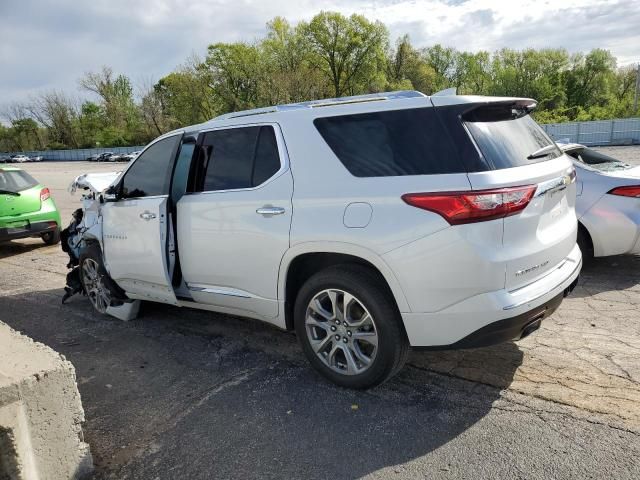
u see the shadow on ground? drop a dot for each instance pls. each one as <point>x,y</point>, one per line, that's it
<point>17,247</point>
<point>198,395</point>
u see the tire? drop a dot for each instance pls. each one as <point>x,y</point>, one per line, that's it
<point>51,238</point>
<point>585,243</point>
<point>100,289</point>
<point>366,294</point>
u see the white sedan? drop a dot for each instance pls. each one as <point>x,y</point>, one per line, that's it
<point>608,203</point>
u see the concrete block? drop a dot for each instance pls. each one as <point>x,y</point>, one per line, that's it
<point>40,413</point>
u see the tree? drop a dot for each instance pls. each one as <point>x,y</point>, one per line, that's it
<point>589,78</point>
<point>235,73</point>
<point>407,70</point>
<point>350,52</point>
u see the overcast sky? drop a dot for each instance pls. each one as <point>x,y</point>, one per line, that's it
<point>49,44</point>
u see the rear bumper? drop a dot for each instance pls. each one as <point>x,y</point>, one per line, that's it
<point>30,229</point>
<point>494,317</point>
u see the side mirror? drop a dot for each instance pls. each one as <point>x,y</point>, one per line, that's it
<point>112,194</point>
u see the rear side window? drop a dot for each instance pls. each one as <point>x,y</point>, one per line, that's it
<point>150,173</point>
<point>240,157</point>
<point>16,180</point>
<point>510,142</point>
<point>391,143</point>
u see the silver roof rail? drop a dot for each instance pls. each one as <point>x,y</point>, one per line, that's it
<point>327,102</point>
<point>447,92</point>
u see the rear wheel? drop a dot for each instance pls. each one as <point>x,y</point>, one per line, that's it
<point>585,243</point>
<point>349,327</point>
<point>52,237</point>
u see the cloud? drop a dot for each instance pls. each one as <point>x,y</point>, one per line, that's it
<point>49,45</point>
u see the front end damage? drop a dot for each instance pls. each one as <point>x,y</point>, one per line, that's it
<point>84,230</point>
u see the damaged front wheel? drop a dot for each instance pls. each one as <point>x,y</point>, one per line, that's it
<point>96,282</point>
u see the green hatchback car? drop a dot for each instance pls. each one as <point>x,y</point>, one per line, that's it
<point>26,208</point>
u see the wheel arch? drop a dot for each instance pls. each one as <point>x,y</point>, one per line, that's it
<point>301,261</point>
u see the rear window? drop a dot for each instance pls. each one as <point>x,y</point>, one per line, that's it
<point>16,180</point>
<point>391,143</point>
<point>597,160</point>
<point>512,142</point>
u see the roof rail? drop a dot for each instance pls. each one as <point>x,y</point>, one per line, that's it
<point>327,102</point>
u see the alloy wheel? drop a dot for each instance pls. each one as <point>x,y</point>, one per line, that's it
<point>341,332</point>
<point>94,286</point>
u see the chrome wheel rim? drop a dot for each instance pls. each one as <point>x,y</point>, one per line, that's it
<point>93,283</point>
<point>341,332</point>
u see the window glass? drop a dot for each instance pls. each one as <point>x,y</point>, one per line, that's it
<point>267,161</point>
<point>598,160</point>
<point>181,171</point>
<point>240,157</point>
<point>391,143</point>
<point>508,143</point>
<point>150,173</point>
<point>16,180</point>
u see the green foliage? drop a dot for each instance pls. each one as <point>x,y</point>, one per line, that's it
<point>332,55</point>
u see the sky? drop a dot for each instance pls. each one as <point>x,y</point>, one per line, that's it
<point>50,44</point>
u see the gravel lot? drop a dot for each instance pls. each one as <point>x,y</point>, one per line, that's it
<point>190,394</point>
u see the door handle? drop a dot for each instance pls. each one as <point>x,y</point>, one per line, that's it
<point>269,211</point>
<point>147,215</point>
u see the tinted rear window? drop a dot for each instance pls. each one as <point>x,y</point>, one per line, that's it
<point>507,143</point>
<point>391,143</point>
<point>16,180</point>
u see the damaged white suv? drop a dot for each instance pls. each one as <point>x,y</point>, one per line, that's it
<point>368,224</point>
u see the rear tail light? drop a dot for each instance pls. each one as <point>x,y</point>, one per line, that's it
<point>628,191</point>
<point>475,206</point>
<point>45,194</point>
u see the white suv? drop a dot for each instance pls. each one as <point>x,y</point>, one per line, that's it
<point>368,224</point>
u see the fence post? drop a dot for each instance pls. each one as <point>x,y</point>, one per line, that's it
<point>613,122</point>
<point>577,132</point>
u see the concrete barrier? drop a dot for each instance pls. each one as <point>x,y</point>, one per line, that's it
<point>40,413</point>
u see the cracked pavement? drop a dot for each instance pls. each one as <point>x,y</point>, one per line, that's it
<point>191,394</point>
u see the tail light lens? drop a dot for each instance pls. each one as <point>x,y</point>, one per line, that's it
<point>45,194</point>
<point>475,206</point>
<point>628,191</point>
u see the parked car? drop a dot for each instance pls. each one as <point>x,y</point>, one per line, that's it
<point>608,203</point>
<point>5,159</point>
<point>130,156</point>
<point>37,158</point>
<point>26,208</point>
<point>389,221</point>
<point>19,159</point>
<point>93,158</point>
<point>103,157</point>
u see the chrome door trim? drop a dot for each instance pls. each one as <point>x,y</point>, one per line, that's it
<point>230,292</point>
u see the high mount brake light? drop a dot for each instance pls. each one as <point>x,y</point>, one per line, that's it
<point>45,194</point>
<point>628,191</point>
<point>474,206</point>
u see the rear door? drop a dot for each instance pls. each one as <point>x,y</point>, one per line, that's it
<point>136,226</point>
<point>518,153</point>
<point>234,231</point>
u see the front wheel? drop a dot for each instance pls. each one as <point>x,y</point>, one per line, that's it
<point>349,327</point>
<point>96,282</point>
